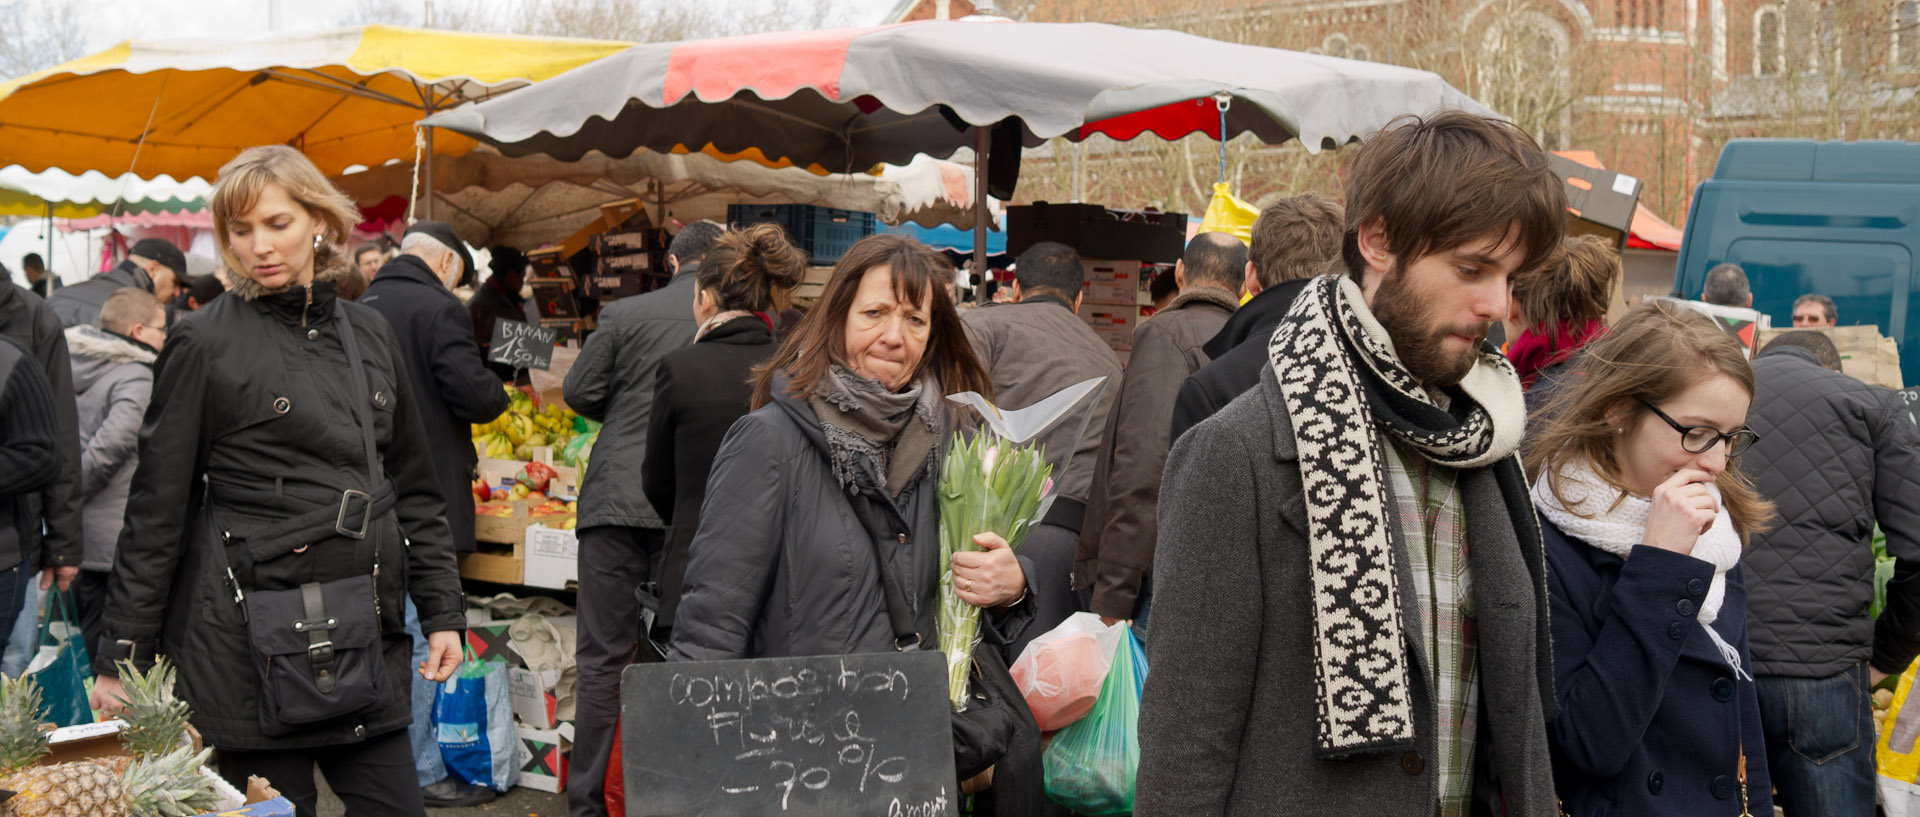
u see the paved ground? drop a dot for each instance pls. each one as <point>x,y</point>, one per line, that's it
<point>518,801</point>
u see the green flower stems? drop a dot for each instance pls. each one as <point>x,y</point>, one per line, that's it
<point>986,485</point>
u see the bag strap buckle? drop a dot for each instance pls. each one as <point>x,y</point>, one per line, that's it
<point>366,514</point>
<point>909,643</point>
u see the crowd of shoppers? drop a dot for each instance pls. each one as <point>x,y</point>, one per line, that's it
<point>1380,565</point>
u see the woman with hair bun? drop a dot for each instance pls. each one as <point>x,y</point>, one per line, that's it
<point>700,390</point>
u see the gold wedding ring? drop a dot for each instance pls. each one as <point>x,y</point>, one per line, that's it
<point>968,586</point>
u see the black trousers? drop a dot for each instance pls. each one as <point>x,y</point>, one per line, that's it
<point>374,778</point>
<point>90,596</point>
<point>613,561</point>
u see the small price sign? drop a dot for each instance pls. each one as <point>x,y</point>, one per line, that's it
<point>522,346</point>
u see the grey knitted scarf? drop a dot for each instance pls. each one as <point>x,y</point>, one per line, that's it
<point>867,423</point>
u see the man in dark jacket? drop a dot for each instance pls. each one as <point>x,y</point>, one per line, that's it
<point>1031,349</point>
<point>453,388</point>
<point>37,278</point>
<point>1836,456</point>
<point>153,264</point>
<point>29,463</point>
<point>1116,551</point>
<point>1317,536</point>
<point>1294,240</point>
<point>621,536</point>
<point>30,322</point>
<point>498,298</point>
<point>113,380</point>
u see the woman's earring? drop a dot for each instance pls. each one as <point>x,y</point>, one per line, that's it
<point>316,242</point>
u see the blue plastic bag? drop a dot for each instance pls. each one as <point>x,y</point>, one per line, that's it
<point>473,719</point>
<point>62,666</point>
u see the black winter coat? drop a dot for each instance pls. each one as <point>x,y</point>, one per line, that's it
<point>612,382</point>
<point>254,393</point>
<point>29,444</point>
<point>79,305</point>
<point>697,395</point>
<point>1239,356</point>
<point>28,320</point>
<point>1835,455</point>
<point>1652,720</point>
<point>451,383</point>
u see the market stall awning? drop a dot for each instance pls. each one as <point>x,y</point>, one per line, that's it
<point>25,193</point>
<point>949,239</point>
<point>344,97</point>
<point>850,98</point>
<point>1648,231</point>
<point>529,201</point>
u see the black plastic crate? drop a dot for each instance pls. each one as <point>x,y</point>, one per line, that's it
<point>1099,232</point>
<point>823,233</point>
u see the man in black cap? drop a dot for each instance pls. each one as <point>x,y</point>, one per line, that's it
<point>153,264</point>
<point>454,388</point>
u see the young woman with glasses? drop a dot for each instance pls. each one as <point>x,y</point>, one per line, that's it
<point>1644,522</point>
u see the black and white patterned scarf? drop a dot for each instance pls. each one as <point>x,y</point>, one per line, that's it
<point>1343,385</point>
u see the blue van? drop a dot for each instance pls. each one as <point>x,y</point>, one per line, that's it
<point>1838,218</point>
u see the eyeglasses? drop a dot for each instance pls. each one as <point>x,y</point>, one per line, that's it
<point>1701,439</point>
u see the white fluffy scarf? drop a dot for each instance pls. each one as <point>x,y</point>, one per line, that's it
<point>1596,519</point>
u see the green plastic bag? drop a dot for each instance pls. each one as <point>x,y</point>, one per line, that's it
<point>1090,765</point>
<point>62,667</point>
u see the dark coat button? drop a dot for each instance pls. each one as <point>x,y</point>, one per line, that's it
<point>1677,630</point>
<point>1722,787</point>
<point>360,731</point>
<point>282,405</point>
<point>1656,782</point>
<point>380,399</point>
<point>1696,588</point>
<point>313,334</point>
<point>903,538</point>
<point>1412,763</point>
<point>1683,607</point>
<point>1723,689</point>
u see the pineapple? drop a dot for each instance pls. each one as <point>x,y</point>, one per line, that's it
<point>161,778</point>
<point>156,720</point>
<point>67,788</point>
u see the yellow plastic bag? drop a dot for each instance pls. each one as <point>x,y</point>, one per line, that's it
<point>1227,214</point>
<point>1898,756</point>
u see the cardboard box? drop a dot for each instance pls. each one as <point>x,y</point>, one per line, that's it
<point>533,705</point>
<point>625,242</point>
<point>614,286</point>
<point>493,641</point>
<point>549,265</point>
<point>1864,353</point>
<point>621,264</point>
<point>1111,282</point>
<point>552,557</point>
<point>543,757</point>
<point>1114,323</point>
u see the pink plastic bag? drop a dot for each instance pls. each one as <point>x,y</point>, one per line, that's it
<point>1060,673</point>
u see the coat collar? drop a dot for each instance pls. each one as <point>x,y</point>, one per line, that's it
<point>412,270</point>
<point>742,331</point>
<point>1202,294</point>
<point>1256,318</point>
<point>294,305</point>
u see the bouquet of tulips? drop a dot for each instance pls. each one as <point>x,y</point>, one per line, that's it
<point>987,484</point>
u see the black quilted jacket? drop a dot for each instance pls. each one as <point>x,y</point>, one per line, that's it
<point>1836,455</point>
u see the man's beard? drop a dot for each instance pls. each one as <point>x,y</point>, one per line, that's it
<point>1418,335</point>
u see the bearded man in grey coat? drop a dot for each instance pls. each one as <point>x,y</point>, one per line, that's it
<point>1350,614</point>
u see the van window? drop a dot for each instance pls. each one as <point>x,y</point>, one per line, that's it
<point>1861,278</point>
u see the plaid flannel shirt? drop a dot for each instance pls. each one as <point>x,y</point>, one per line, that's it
<point>1433,524</point>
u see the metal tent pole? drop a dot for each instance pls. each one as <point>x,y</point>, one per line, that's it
<point>980,216</point>
<point>53,281</point>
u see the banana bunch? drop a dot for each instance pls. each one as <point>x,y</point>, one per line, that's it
<point>524,426</point>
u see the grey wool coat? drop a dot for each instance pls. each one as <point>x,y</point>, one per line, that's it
<point>1228,720</point>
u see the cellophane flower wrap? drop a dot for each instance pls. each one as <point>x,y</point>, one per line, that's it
<point>987,484</point>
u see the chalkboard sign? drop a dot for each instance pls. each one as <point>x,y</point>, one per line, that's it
<point>522,346</point>
<point>850,735</point>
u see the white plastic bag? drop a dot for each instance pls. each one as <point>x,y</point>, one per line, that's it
<point>1060,673</point>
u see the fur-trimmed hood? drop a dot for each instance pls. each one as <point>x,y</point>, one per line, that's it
<point>330,267</point>
<point>99,344</point>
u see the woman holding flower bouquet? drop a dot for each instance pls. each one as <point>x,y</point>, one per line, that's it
<point>833,478</point>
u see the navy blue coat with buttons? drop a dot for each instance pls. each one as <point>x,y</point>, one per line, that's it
<point>1652,719</point>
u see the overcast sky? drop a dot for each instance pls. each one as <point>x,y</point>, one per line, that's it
<point>110,21</point>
